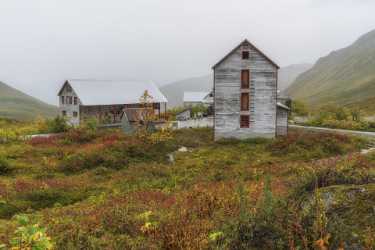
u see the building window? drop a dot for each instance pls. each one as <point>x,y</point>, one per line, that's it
<point>245,55</point>
<point>68,88</point>
<point>69,100</point>
<point>75,114</point>
<point>75,100</point>
<point>245,121</point>
<point>62,99</point>
<point>245,102</point>
<point>245,79</point>
<point>63,113</point>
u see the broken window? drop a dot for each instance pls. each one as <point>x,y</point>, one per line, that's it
<point>245,55</point>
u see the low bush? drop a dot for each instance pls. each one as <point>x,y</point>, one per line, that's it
<point>116,155</point>
<point>80,135</point>
<point>29,235</point>
<point>44,141</point>
<point>43,198</point>
<point>57,125</point>
<point>4,165</point>
<point>350,170</point>
<point>304,146</point>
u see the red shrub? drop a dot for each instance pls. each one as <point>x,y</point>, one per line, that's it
<point>44,141</point>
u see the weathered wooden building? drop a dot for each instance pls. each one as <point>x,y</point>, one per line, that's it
<point>107,100</point>
<point>245,95</point>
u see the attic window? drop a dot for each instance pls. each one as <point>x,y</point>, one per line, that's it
<point>245,55</point>
<point>68,88</point>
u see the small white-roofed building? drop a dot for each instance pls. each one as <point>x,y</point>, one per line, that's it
<point>197,98</point>
<point>106,100</point>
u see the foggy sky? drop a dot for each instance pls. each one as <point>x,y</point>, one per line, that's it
<point>43,42</point>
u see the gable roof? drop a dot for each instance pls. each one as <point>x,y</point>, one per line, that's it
<point>195,96</point>
<point>246,42</point>
<point>107,92</point>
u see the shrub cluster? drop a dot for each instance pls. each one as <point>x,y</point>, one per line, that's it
<point>340,118</point>
<point>4,165</point>
<point>313,145</point>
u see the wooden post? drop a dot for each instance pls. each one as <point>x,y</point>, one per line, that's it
<point>159,110</point>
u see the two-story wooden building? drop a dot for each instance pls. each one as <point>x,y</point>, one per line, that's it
<point>107,100</point>
<point>245,95</point>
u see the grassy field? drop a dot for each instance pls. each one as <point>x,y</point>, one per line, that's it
<point>104,190</point>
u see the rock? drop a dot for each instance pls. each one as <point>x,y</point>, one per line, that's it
<point>183,149</point>
<point>171,158</point>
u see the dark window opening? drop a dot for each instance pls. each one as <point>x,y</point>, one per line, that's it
<point>68,88</point>
<point>245,121</point>
<point>62,99</point>
<point>75,114</point>
<point>245,101</point>
<point>63,113</point>
<point>245,55</point>
<point>75,100</point>
<point>245,79</point>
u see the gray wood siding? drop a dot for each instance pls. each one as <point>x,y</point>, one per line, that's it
<point>282,122</point>
<point>70,108</point>
<point>263,91</point>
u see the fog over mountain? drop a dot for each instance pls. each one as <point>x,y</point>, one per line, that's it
<point>288,74</point>
<point>44,42</point>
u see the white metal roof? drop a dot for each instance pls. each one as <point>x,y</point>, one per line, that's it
<point>107,92</point>
<point>195,96</point>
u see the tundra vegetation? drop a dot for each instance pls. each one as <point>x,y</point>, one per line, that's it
<point>101,189</point>
<point>332,116</point>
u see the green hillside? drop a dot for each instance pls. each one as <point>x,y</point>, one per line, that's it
<point>16,105</point>
<point>344,77</point>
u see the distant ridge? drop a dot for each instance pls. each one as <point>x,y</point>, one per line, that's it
<point>344,77</point>
<point>288,74</point>
<point>175,91</point>
<point>14,104</point>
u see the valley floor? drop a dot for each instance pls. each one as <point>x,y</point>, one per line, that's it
<point>104,190</point>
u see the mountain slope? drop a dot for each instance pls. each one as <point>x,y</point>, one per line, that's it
<point>16,105</point>
<point>175,91</point>
<point>288,74</point>
<point>344,77</point>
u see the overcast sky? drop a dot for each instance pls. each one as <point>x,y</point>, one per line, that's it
<point>43,42</point>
